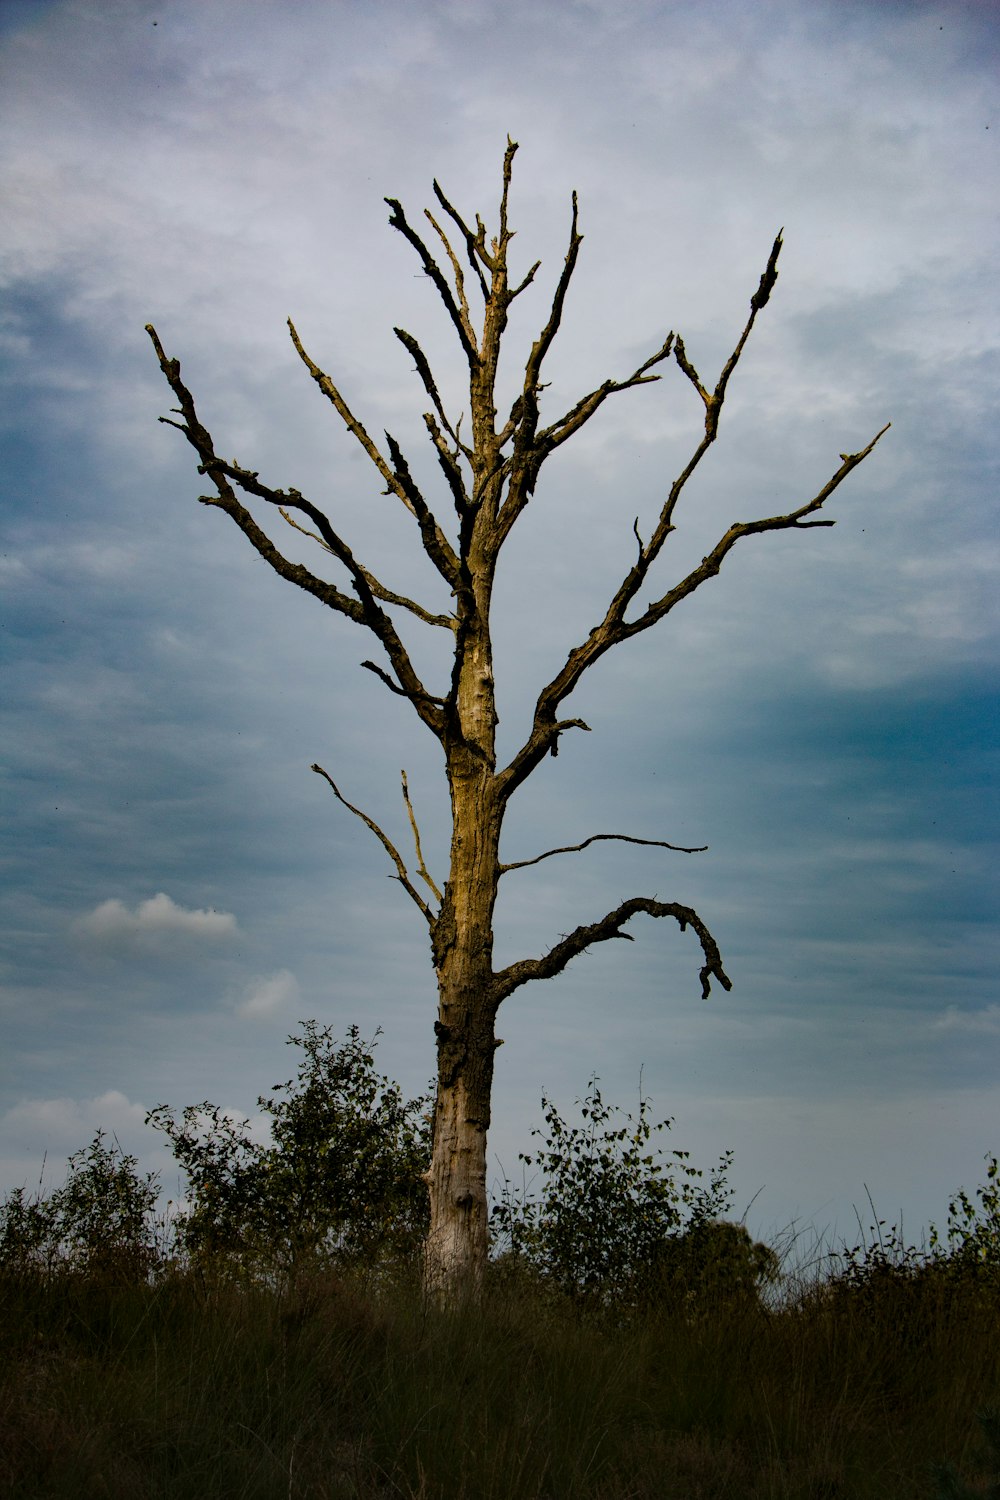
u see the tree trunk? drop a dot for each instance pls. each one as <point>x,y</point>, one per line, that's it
<point>462,941</point>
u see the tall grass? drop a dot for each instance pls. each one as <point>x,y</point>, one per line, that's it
<point>272,1340</point>
<point>325,1387</point>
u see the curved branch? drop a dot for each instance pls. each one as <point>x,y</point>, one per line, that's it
<point>386,843</point>
<point>624,838</point>
<point>608,927</point>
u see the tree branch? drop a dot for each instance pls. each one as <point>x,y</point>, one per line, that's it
<point>614,628</point>
<point>419,358</point>
<point>365,611</point>
<point>712,563</point>
<point>422,868</point>
<point>463,325</point>
<point>449,464</point>
<point>394,687</point>
<point>386,843</point>
<point>475,244</point>
<point>379,590</point>
<point>584,409</point>
<point>528,459</point>
<point>608,927</point>
<point>625,838</point>
<point>398,483</point>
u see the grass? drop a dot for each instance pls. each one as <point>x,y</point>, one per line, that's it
<point>327,1389</point>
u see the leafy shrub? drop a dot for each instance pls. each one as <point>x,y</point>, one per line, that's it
<point>713,1261</point>
<point>610,1201</point>
<point>883,1271</point>
<point>101,1222</point>
<point>972,1240</point>
<point>339,1181</point>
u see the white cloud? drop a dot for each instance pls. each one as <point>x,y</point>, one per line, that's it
<point>68,1117</point>
<point>40,1134</point>
<point>160,917</point>
<point>268,994</point>
<point>985,1022</point>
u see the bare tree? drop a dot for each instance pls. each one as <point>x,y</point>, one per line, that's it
<point>490,475</point>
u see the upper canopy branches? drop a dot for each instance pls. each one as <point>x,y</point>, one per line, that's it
<point>492,473</point>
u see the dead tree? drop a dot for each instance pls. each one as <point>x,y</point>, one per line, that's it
<point>490,475</point>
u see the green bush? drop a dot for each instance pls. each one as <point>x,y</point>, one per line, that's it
<point>713,1261</point>
<point>610,1201</point>
<point>101,1223</point>
<point>972,1239</point>
<point>339,1181</point>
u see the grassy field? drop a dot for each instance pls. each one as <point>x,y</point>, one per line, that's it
<point>188,1390</point>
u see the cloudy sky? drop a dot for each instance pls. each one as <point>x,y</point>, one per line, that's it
<point>180,891</point>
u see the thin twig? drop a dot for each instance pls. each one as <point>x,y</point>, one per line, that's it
<point>521,864</point>
<point>422,868</point>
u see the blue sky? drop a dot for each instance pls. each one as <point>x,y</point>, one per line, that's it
<point>180,891</point>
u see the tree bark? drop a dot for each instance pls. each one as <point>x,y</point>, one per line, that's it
<point>462,947</point>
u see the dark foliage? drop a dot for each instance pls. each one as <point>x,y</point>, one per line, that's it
<point>339,1180</point>
<point>99,1224</point>
<point>617,1221</point>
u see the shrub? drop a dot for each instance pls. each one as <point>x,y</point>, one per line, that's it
<point>713,1261</point>
<point>610,1199</point>
<point>339,1181</point>
<point>101,1222</point>
<point>972,1240</point>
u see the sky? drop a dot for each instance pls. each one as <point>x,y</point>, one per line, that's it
<point>180,893</point>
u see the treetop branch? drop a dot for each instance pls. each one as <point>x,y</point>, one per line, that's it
<point>614,628</point>
<point>398,480</point>
<point>475,243</point>
<point>399,221</point>
<point>463,301</point>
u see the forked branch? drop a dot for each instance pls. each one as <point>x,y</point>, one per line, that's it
<point>615,628</point>
<point>397,479</point>
<point>458,315</point>
<point>401,872</point>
